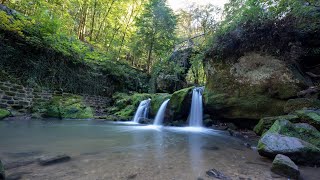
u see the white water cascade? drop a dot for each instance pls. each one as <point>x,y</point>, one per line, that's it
<point>142,111</point>
<point>196,112</point>
<point>160,114</point>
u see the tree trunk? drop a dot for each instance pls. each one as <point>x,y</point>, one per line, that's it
<point>105,17</point>
<point>93,18</point>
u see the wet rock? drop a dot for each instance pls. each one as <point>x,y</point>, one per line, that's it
<point>284,166</point>
<point>132,176</point>
<point>49,160</point>
<point>2,173</point>
<point>208,122</point>
<point>296,149</point>
<point>211,148</point>
<point>145,121</point>
<point>179,104</point>
<point>217,174</point>
<point>265,123</point>
<point>231,126</point>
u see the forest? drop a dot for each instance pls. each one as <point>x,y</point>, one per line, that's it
<point>162,89</point>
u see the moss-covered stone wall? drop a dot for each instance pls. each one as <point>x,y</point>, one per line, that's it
<point>16,97</point>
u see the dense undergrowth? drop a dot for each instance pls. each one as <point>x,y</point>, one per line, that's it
<point>285,29</point>
<point>36,53</point>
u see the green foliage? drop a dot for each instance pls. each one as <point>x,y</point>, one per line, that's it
<point>71,106</point>
<point>4,113</point>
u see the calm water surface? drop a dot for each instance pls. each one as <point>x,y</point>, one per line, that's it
<point>105,150</point>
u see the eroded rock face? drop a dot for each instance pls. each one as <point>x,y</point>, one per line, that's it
<point>296,149</point>
<point>253,87</point>
<point>284,166</point>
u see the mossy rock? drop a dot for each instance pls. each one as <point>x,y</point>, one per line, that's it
<point>179,104</point>
<point>272,144</point>
<point>247,106</point>
<point>125,105</point>
<point>70,106</point>
<point>310,116</point>
<point>284,166</point>
<point>4,113</point>
<point>265,123</point>
<point>156,102</point>
<point>302,131</point>
<point>301,103</point>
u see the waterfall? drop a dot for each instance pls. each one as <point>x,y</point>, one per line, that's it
<point>142,111</point>
<point>160,114</point>
<point>196,112</point>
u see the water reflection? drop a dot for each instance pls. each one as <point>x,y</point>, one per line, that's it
<point>195,153</point>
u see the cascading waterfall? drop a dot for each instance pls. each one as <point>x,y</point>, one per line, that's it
<point>142,111</point>
<point>160,114</point>
<point>196,112</point>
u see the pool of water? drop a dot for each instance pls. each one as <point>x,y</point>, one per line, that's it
<point>105,150</point>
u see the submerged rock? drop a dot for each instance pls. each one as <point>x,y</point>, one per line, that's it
<point>2,174</point>
<point>284,166</point>
<point>265,123</point>
<point>310,116</point>
<point>217,174</point>
<point>68,106</point>
<point>296,149</point>
<point>4,113</point>
<point>49,160</point>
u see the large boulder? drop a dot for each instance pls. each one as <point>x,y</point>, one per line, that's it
<point>296,149</point>
<point>68,106</point>
<point>252,87</point>
<point>265,123</point>
<point>293,105</point>
<point>310,116</point>
<point>179,105</point>
<point>302,131</point>
<point>284,166</point>
<point>4,113</point>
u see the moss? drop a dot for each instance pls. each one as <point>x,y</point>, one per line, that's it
<point>265,123</point>
<point>309,116</point>
<point>244,106</point>
<point>125,105</point>
<point>70,106</point>
<point>300,103</point>
<point>301,131</point>
<point>4,113</point>
<point>179,103</point>
<point>156,102</point>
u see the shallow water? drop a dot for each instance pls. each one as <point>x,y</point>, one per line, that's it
<point>105,150</point>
